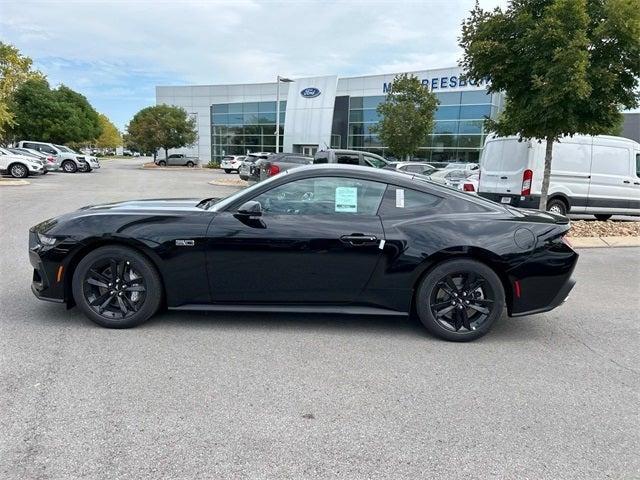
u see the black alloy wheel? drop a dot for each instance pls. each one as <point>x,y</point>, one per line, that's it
<point>117,287</point>
<point>18,170</point>
<point>460,300</point>
<point>69,166</point>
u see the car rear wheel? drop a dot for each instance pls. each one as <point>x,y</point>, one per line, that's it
<point>557,206</point>
<point>602,216</point>
<point>162,163</point>
<point>18,170</point>
<point>460,300</point>
<point>190,164</point>
<point>117,287</point>
<point>69,166</point>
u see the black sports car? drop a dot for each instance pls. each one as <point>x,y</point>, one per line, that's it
<point>322,238</point>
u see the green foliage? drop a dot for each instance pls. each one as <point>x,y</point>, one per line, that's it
<point>161,126</point>
<point>567,66</point>
<point>110,136</point>
<point>58,116</point>
<point>406,116</point>
<point>15,69</point>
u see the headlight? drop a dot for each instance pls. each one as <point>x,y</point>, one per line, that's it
<point>46,240</point>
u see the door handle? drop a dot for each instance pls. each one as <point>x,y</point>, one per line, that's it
<point>503,178</point>
<point>357,239</point>
<point>636,183</point>
<point>626,181</point>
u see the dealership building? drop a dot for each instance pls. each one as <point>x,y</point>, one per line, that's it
<point>329,111</point>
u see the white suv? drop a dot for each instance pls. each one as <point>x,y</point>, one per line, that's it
<point>232,162</point>
<point>19,166</point>
<point>69,160</point>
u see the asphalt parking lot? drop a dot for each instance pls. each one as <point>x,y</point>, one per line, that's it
<point>193,395</point>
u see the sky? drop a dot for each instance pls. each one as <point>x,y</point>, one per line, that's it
<point>115,51</point>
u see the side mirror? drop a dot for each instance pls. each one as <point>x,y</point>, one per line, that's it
<point>250,209</point>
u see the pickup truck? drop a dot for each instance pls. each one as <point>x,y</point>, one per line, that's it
<point>177,159</point>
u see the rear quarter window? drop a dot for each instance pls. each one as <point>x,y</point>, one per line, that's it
<point>399,201</point>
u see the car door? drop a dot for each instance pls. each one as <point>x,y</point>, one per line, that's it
<point>316,241</point>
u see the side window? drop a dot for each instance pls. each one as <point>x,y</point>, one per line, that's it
<point>402,201</point>
<point>373,161</point>
<point>30,145</point>
<point>638,165</point>
<point>348,158</point>
<point>48,150</point>
<point>323,196</point>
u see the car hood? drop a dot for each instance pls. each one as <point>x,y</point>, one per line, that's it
<point>151,205</point>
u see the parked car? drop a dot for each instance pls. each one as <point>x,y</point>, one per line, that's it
<point>232,163</point>
<point>461,166</point>
<point>91,162</point>
<point>69,161</point>
<point>248,169</point>
<point>280,162</point>
<point>177,159</point>
<point>48,161</point>
<point>322,238</point>
<point>450,177</point>
<point>470,184</point>
<point>19,166</point>
<point>596,175</point>
<point>350,157</point>
<point>422,168</point>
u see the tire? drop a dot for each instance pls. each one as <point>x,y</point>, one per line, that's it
<point>97,293</point>
<point>441,298</point>
<point>227,170</point>
<point>602,216</point>
<point>557,206</point>
<point>85,168</point>
<point>190,164</point>
<point>162,163</point>
<point>69,166</point>
<point>18,170</point>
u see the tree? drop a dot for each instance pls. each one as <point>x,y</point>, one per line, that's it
<point>110,136</point>
<point>161,126</point>
<point>58,116</point>
<point>566,66</point>
<point>407,116</point>
<point>15,69</point>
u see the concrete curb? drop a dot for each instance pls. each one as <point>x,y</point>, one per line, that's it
<point>229,183</point>
<point>13,183</point>
<point>604,242</point>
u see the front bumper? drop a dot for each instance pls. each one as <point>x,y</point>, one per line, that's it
<point>522,201</point>
<point>48,280</point>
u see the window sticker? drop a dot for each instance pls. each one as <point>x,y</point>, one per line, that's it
<point>399,198</point>
<point>346,199</point>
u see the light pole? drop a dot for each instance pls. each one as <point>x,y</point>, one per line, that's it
<point>283,80</point>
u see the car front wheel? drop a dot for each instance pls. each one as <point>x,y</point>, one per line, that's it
<point>460,300</point>
<point>190,164</point>
<point>18,170</point>
<point>227,170</point>
<point>117,287</point>
<point>162,163</point>
<point>69,166</point>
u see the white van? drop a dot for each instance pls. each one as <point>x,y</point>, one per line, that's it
<point>598,175</point>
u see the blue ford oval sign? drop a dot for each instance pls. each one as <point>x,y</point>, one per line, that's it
<point>310,92</point>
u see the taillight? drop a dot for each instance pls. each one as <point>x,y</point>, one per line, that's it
<point>273,170</point>
<point>527,176</point>
<point>50,159</point>
<point>468,187</point>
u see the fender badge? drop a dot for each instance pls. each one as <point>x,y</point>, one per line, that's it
<point>185,243</point>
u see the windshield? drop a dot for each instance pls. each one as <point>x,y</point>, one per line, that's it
<point>66,149</point>
<point>222,204</point>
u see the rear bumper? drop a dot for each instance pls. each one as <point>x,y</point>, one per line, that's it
<point>558,300</point>
<point>522,201</point>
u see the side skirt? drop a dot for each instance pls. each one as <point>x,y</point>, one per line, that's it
<point>335,309</point>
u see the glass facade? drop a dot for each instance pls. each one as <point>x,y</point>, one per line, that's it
<point>458,133</point>
<point>239,128</point>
